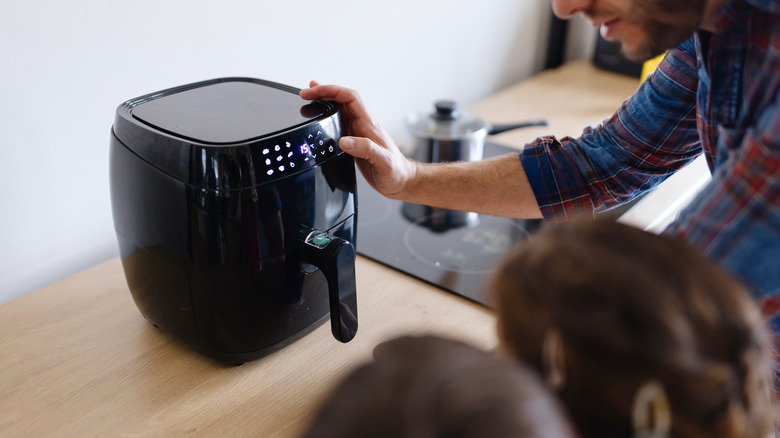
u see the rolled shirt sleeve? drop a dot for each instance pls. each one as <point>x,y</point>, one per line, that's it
<point>652,135</point>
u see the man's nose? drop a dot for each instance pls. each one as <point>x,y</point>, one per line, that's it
<point>569,8</point>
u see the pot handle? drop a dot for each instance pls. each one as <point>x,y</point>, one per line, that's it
<point>498,129</point>
<point>335,257</point>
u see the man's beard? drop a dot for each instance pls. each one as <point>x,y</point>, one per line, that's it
<point>666,23</point>
<point>662,36</point>
<point>659,38</point>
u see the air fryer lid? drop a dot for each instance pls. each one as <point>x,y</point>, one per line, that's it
<point>222,127</point>
<point>234,111</point>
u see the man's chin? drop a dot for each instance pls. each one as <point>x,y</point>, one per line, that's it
<point>642,53</point>
<point>656,41</point>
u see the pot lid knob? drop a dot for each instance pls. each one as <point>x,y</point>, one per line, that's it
<point>446,110</point>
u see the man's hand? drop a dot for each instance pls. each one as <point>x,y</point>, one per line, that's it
<point>380,161</point>
<point>497,186</point>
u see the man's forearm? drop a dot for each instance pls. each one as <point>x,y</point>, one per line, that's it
<point>496,186</point>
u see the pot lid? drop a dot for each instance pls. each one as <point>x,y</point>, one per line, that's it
<point>446,122</point>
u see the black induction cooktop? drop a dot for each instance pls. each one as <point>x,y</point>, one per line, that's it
<point>456,251</point>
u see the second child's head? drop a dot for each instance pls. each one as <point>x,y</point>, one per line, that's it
<point>636,332</point>
<point>427,387</point>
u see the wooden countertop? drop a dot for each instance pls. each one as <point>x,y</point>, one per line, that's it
<point>78,359</point>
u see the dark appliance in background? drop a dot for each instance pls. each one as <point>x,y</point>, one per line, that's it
<point>556,42</point>
<point>235,212</point>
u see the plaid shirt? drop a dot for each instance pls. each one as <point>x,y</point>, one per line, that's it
<point>717,94</point>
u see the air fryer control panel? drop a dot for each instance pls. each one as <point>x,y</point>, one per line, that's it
<point>299,150</point>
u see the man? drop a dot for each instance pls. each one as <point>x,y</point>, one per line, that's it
<point>715,93</point>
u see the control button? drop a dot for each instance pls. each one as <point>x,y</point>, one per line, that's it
<point>279,158</point>
<point>266,151</point>
<point>321,240</point>
<point>330,148</point>
<point>277,148</point>
<point>270,172</point>
<point>292,164</point>
<point>267,161</point>
<point>289,154</point>
<point>281,168</point>
<point>287,144</point>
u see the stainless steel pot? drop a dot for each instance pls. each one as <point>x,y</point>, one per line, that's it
<point>448,134</point>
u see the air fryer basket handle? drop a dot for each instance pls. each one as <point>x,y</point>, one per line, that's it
<point>335,257</point>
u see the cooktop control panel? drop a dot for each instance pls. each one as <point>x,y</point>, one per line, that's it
<point>301,150</point>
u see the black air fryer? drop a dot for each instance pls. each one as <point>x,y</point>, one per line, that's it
<point>235,212</point>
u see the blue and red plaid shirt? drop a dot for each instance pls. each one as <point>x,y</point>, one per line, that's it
<point>717,94</point>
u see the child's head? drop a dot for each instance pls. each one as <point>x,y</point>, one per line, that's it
<point>607,312</point>
<point>426,387</point>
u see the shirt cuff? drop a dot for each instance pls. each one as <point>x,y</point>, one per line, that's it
<point>557,183</point>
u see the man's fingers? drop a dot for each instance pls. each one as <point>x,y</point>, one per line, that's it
<point>358,147</point>
<point>385,169</point>
<point>346,97</point>
<point>329,92</point>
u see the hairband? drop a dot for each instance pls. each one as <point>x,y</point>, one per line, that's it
<point>553,360</point>
<point>651,415</point>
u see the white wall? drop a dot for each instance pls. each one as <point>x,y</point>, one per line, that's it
<point>66,66</point>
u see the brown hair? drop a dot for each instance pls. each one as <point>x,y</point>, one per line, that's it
<point>629,308</point>
<point>425,387</point>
